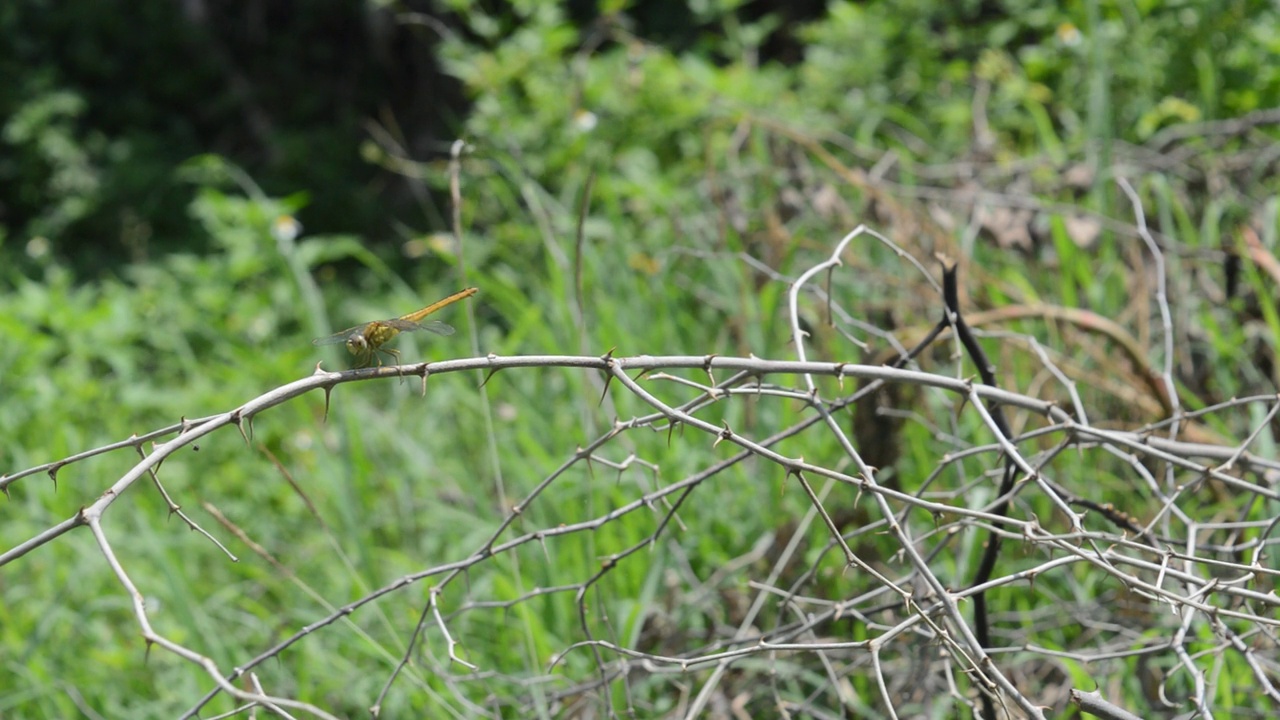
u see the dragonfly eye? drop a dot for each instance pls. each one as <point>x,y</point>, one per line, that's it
<point>356,343</point>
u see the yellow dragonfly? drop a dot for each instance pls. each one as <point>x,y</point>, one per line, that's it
<point>366,341</point>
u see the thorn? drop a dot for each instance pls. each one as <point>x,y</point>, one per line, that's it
<point>327,390</point>
<point>156,469</point>
<point>425,374</point>
<point>608,378</point>
<point>724,434</point>
<point>488,377</point>
<point>236,419</point>
<point>671,428</point>
<point>53,475</point>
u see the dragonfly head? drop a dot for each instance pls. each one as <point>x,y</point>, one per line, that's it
<point>357,344</point>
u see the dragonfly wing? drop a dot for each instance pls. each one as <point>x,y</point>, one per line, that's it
<point>434,326</point>
<point>338,337</point>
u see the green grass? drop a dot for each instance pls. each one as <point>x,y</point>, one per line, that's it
<point>690,172</point>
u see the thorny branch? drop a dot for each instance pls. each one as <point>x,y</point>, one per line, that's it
<point>899,617</point>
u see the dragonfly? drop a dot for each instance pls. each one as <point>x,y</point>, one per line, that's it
<point>366,341</point>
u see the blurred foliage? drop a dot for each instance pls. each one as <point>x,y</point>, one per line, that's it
<point>105,102</point>
<point>102,103</point>
<point>152,161</point>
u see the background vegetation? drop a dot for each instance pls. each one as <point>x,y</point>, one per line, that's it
<point>152,156</point>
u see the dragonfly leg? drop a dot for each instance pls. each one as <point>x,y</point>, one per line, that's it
<point>390,352</point>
